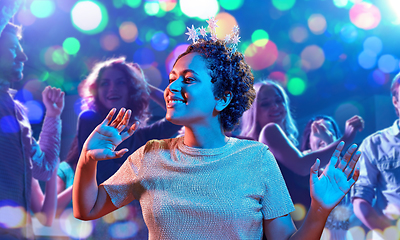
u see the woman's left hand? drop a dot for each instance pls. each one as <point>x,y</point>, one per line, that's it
<point>328,189</point>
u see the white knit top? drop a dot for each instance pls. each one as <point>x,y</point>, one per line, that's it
<point>193,193</point>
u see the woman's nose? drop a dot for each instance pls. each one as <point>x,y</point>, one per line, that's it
<point>175,86</point>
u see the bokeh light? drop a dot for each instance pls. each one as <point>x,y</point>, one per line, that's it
<point>133,3</point>
<point>317,24</point>
<point>65,6</point>
<point>74,227</point>
<point>160,41</point>
<point>35,111</point>
<point>201,9</point>
<point>312,57</point>
<point>123,230</point>
<point>283,5</point>
<point>167,5</point>
<point>388,63</point>
<point>298,34</point>
<point>373,44</point>
<point>365,15</point>
<point>109,42</point>
<point>391,233</point>
<point>260,37</point>
<point>332,50</point>
<point>71,45</point>
<point>367,59</point>
<point>153,75</point>
<point>144,56</point>
<point>23,96</point>
<point>176,28</point>
<point>151,8</point>
<point>347,110</point>
<point>260,57</point>
<point>296,86</point>
<point>89,17</point>
<point>225,23</point>
<point>169,62</point>
<point>279,76</point>
<point>299,212</point>
<point>128,31</point>
<point>42,8</point>
<point>56,58</point>
<point>340,3</point>
<point>231,4</point>
<point>12,217</point>
<point>25,17</point>
<point>348,33</point>
<point>378,78</point>
<point>355,233</point>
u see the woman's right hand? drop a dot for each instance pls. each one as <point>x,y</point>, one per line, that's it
<point>102,142</point>
<point>354,124</point>
<point>319,130</point>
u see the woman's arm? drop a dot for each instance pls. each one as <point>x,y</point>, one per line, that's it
<point>157,95</point>
<point>89,200</point>
<point>287,153</point>
<point>327,190</point>
<point>64,196</point>
<point>44,206</point>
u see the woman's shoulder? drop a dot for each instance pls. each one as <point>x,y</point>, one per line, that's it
<point>240,142</point>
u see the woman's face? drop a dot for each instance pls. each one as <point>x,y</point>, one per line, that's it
<point>189,96</point>
<point>317,142</point>
<point>113,89</point>
<point>270,106</point>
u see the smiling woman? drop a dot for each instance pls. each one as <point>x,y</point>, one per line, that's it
<point>204,185</point>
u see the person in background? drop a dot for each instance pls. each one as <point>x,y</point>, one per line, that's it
<point>380,174</point>
<point>319,132</point>
<point>269,121</point>
<point>115,83</point>
<point>22,157</point>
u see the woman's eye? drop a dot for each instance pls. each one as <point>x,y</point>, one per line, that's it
<point>266,105</point>
<point>104,84</point>
<point>188,80</point>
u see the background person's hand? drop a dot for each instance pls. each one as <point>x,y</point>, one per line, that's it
<point>53,99</point>
<point>328,189</point>
<point>319,130</point>
<point>354,124</point>
<point>102,142</point>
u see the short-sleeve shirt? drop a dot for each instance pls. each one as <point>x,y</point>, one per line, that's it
<point>195,193</point>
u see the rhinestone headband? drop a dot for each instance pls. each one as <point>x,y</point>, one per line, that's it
<point>231,40</point>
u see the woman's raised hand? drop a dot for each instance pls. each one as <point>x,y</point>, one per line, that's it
<point>328,189</point>
<point>102,142</point>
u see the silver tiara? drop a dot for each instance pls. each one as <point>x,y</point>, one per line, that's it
<point>231,40</point>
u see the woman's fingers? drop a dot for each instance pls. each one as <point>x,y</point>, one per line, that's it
<point>122,124</point>
<point>336,154</point>
<point>109,117</point>
<point>119,118</point>
<point>130,131</point>
<point>347,156</point>
<point>350,167</point>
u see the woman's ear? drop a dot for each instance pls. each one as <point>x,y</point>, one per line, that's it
<point>224,101</point>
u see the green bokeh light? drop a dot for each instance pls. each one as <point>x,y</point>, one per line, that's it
<point>118,3</point>
<point>260,37</point>
<point>55,79</point>
<point>151,8</point>
<point>296,86</point>
<point>149,34</point>
<point>44,76</point>
<point>231,4</point>
<point>133,3</point>
<point>71,45</point>
<point>161,13</point>
<point>42,8</point>
<point>60,57</point>
<point>176,28</point>
<point>283,5</point>
<point>244,45</point>
<point>340,3</point>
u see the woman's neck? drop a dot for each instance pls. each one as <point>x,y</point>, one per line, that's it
<point>204,137</point>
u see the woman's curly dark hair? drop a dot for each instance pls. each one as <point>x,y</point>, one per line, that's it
<point>229,73</point>
<point>139,92</point>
